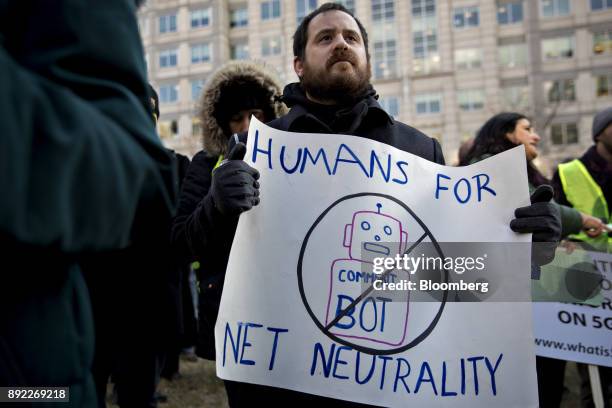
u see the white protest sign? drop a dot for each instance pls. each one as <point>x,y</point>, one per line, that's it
<point>297,264</point>
<point>575,332</point>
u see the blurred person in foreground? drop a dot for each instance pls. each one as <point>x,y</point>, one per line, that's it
<point>83,173</point>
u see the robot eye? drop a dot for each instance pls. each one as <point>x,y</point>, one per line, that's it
<point>388,230</point>
<point>365,225</point>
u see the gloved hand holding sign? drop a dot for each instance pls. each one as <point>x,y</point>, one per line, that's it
<point>543,219</point>
<point>234,187</point>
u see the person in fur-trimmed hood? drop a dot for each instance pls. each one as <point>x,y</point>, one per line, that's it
<point>233,93</point>
<point>201,230</point>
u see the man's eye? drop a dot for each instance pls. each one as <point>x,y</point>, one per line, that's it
<point>325,38</point>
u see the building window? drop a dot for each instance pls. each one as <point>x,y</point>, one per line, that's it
<point>515,98</point>
<point>196,89</point>
<point>390,104</point>
<point>512,55</point>
<point>509,12</point>
<point>560,90</point>
<point>382,10</point>
<point>239,51</point>
<point>555,8</point>
<point>167,23</point>
<point>558,48</point>
<point>597,5</point>
<point>168,58</point>
<point>429,103</point>
<point>200,53</point>
<point>349,4</point>
<point>270,9</point>
<point>464,17</point>
<point>470,99</point>
<point>239,17</point>
<point>604,85</point>
<point>424,36</point>
<point>423,8</point>
<point>270,46</point>
<point>424,43</point>
<point>385,65</point>
<point>564,133</point>
<point>168,93</point>
<point>602,42</point>
<point>200,18</point>
<point>304,7</point>
<point>468,58</point>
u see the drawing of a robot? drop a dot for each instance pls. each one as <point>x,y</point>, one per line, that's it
<point>371,234</point>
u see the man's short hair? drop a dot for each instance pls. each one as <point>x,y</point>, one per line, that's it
<point>300,38</point>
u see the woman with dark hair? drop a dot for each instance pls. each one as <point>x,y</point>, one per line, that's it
<point>500,133</point>
<point>510,129</point>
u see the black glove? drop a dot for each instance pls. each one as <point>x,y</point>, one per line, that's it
<point>234,187</point>
<point>543,219</point>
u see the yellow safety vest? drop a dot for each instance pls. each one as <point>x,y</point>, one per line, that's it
<point>585,195</point>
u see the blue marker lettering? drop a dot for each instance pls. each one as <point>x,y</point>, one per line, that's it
<point>338,362</point>
<point>399,377</point>
<point>405,178</point>
<point>246,344</point>
<point>282,160</point>
<point>438,186</point>
<point>276,332</point>
<point>315,159</point>
<point>258,150</point>
<point>370,373</point>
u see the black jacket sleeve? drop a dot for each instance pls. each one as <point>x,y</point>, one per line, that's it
<point>200,231</point>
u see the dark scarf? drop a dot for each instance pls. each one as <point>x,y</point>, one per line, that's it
<point>341,118</point>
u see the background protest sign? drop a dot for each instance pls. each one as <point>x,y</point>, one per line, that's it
<point>288,277</point>
<point>576,332</point>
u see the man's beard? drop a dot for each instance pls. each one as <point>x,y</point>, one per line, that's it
<point>319,84</point>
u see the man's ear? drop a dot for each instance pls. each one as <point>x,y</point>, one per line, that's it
<point>298,66</point>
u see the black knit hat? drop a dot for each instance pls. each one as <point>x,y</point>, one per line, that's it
<point>601,122</point>
<point>239,96</point>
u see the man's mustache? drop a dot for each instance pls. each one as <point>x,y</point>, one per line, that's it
<point>341,55</point>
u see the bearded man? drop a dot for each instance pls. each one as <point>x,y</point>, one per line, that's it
<point>333,96</point>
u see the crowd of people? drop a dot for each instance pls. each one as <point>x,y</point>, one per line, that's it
<point>104,228</point>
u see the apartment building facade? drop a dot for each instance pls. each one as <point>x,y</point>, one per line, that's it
<point>442,66</point>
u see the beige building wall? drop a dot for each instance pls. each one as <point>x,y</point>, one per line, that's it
<point>448,79</point>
